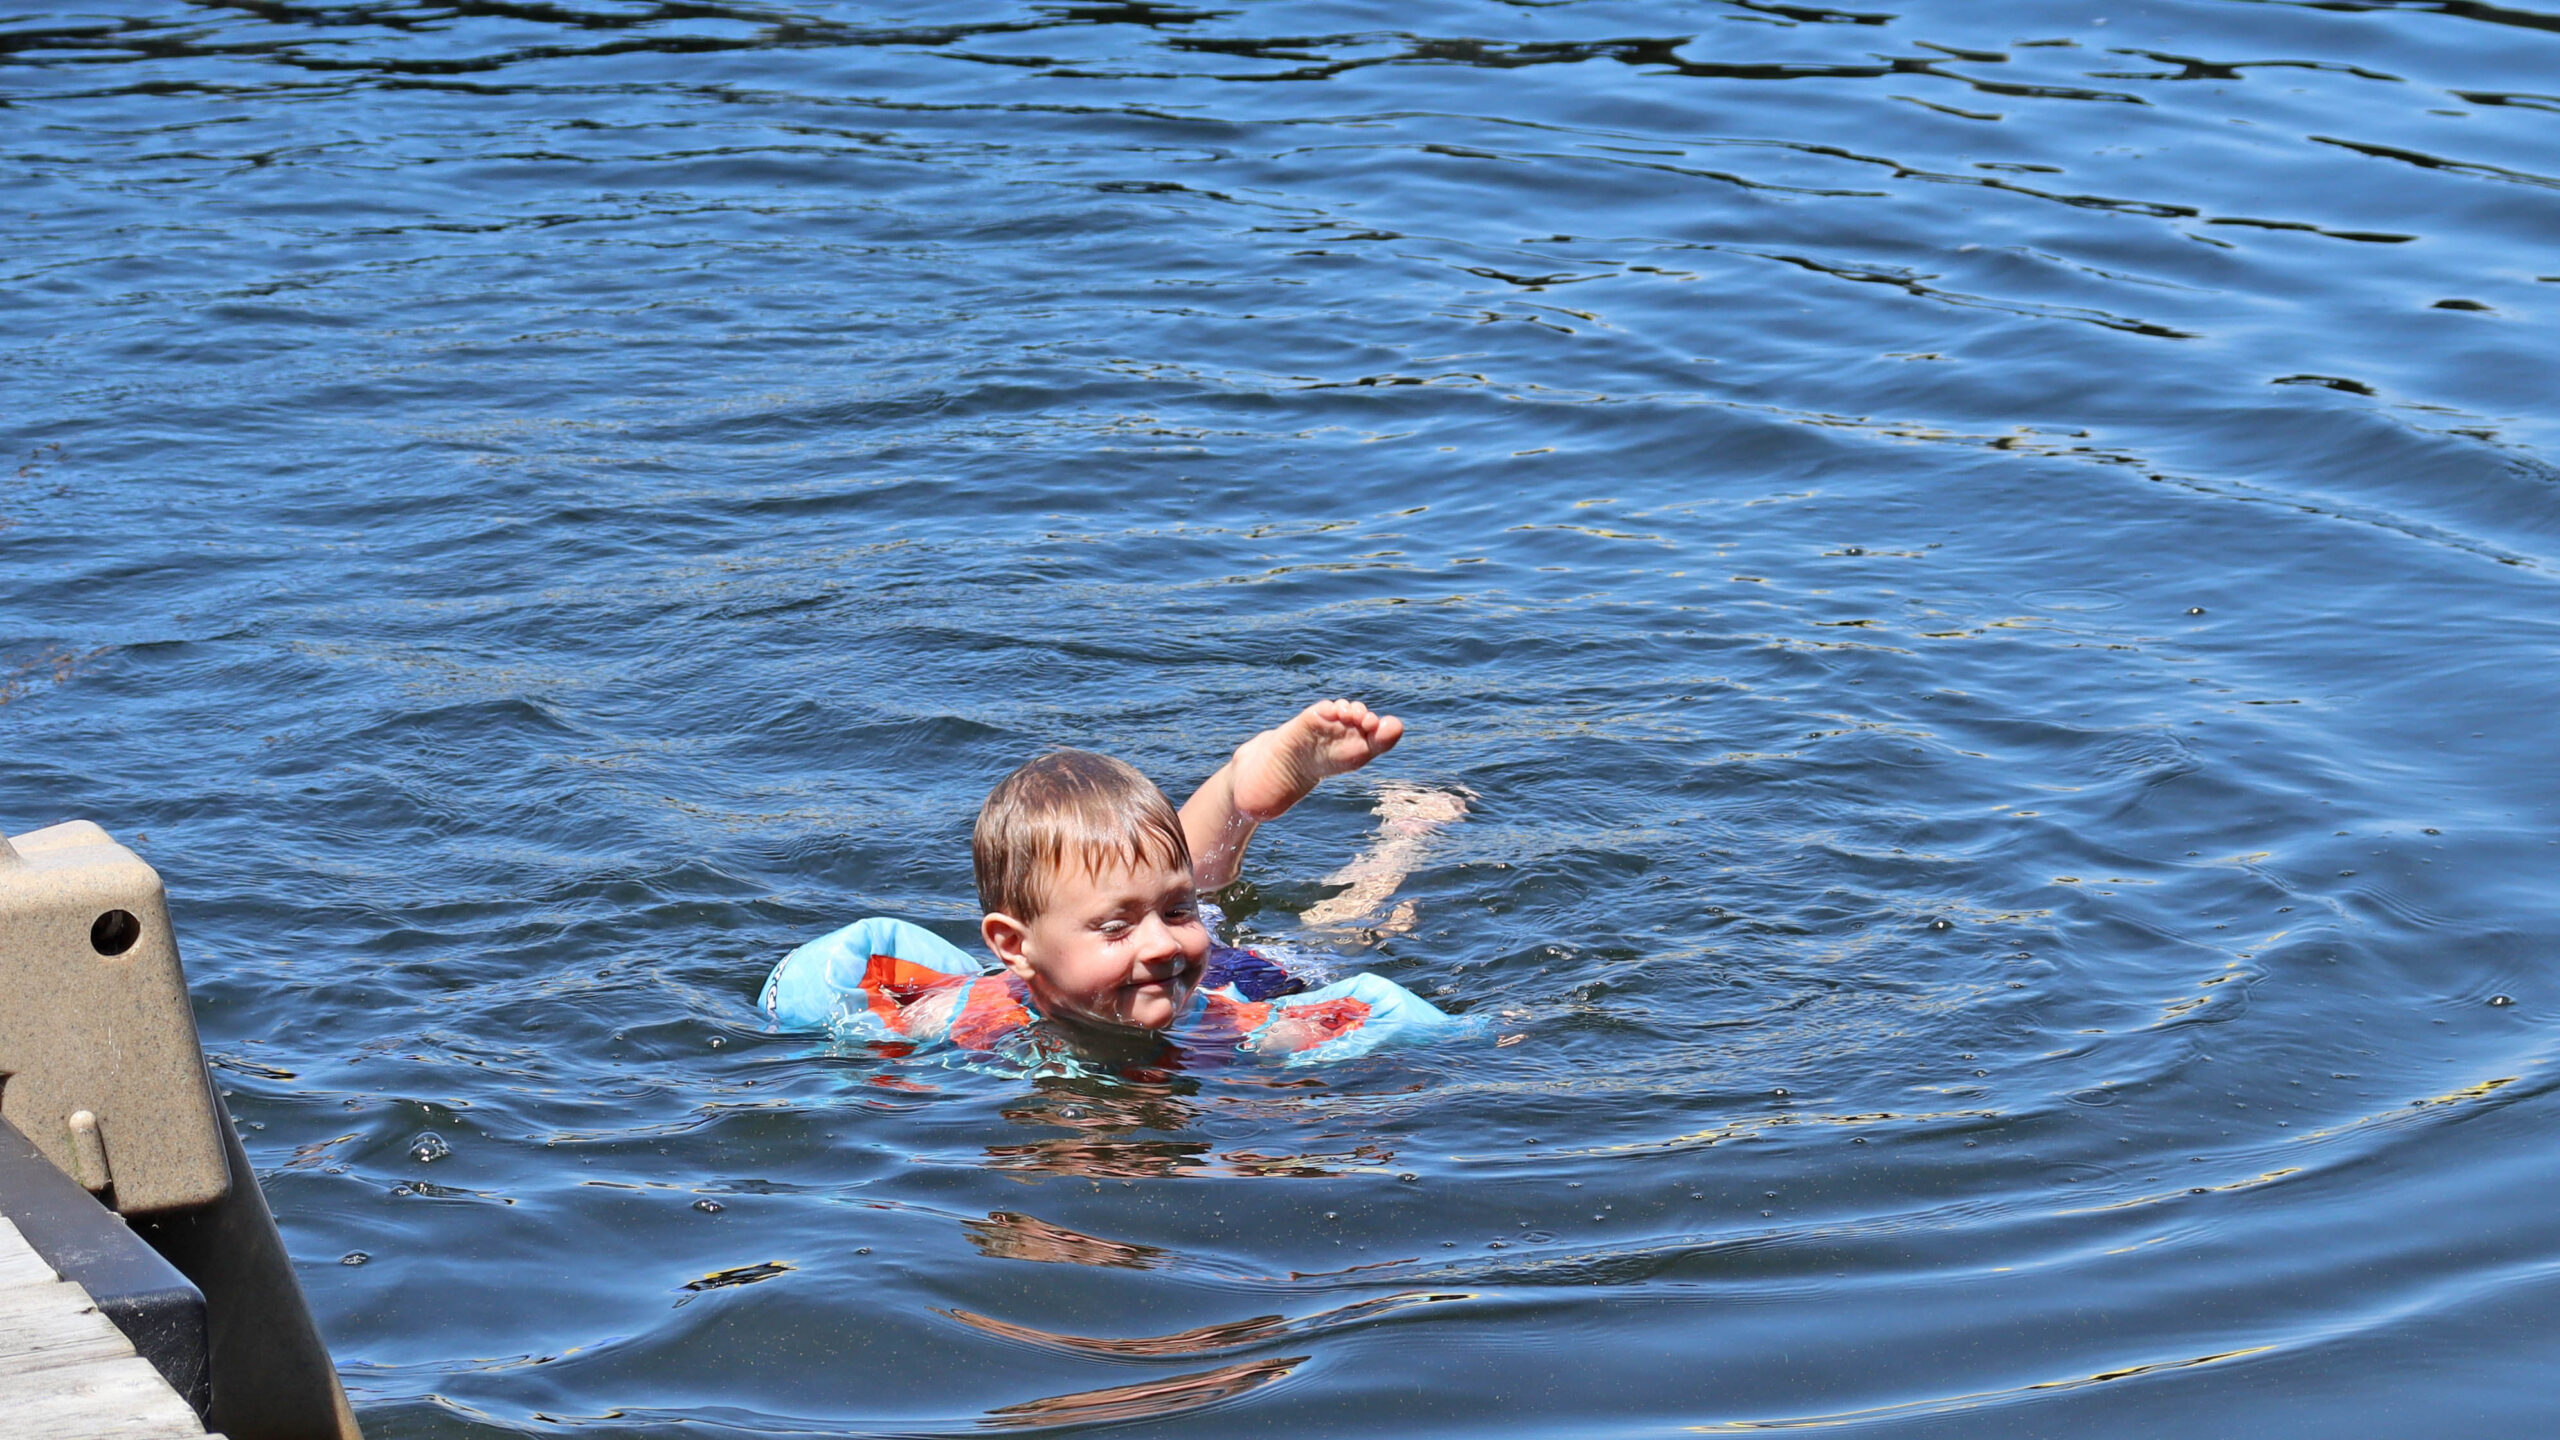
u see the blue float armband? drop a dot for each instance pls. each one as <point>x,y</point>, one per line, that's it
<point>1394,1016</point>
<point>804,991</point>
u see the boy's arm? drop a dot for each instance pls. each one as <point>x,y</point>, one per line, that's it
<point>1273,771</point>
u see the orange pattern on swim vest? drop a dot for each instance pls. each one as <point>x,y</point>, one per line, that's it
<point>1225,1019</point>
<point>986,1008</point>
<point>891,985</point>
<point>1290,1028</point>
<point>1304,1027</point>
<point>993,1010</point>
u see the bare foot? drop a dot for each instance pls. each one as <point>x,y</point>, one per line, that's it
<point>1275,769</point>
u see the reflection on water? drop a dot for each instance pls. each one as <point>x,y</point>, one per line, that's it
<point>1005,1236</point>
<point>1147,1399</point>
<point>1106,1127</point>
<point>1209,1339</point>
<point>1971,583</point>
<point>741,1275</point>
<point>1963,1404</point>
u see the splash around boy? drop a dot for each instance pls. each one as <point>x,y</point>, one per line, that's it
<point>1090,883</point>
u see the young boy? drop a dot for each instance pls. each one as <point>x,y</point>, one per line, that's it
<point>1090,884</point>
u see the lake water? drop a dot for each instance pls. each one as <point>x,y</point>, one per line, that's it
<point>1988,569</point>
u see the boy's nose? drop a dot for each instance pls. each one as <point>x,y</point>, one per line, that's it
<point>1160,946</point>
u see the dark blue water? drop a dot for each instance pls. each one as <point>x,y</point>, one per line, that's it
<point>1989,569</point>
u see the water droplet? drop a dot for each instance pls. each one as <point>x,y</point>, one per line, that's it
<point>2502,999</point>
<point>861,1249</point>
<point>1981,1072</point>
<point>717,1041</point>
<point>1408,1177</point>
<point>428,1145</point>
<point>354,1257</point>
<point>1764,1214</point>
<point>709,1207</point>
<point>1857,1139</point>
<point>1332,1215</point>
<point>1780,1094</point>
<point>402,1191</point>
<point>2198,1190</point>
<point>1852,550</point>
<point>1942,923</point>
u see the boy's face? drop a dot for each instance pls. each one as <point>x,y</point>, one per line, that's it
<point>1121,946</point>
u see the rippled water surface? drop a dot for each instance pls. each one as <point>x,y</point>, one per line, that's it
<point>1988,568</point>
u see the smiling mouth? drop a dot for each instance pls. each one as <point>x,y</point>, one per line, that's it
<point>1168,983</point>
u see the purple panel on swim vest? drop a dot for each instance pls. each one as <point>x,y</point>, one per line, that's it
<point>1254,977</point>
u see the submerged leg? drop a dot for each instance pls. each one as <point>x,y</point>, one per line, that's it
<point>1408,814</point>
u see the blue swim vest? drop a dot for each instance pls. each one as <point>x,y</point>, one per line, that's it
<point>890,980</point>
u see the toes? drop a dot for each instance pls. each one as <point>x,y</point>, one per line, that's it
<point>1350,715</point>
<point>1346,733</point>
<point>1384,735</point>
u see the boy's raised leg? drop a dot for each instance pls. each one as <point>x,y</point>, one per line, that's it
<point>1274,771</point>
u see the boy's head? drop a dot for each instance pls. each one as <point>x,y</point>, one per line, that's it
<point>1085,878</point>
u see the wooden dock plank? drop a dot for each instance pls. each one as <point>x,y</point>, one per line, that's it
<point>66,1372</point>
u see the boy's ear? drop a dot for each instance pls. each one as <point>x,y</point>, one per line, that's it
<point>1007,937</point>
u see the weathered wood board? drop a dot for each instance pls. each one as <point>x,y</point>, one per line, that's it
<point>66,1372</point>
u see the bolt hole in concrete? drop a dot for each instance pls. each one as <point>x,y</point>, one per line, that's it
<point>114,932</point>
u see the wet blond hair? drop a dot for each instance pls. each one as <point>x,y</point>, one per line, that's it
<point>1068,807</point>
